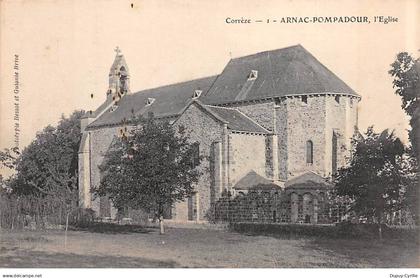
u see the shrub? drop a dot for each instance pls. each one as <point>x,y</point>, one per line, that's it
<point>33,212</point>
<point>285,230</point>
<point>341,230</point>
<point>82,217</point>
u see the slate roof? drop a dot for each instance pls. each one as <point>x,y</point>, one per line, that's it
<point>170,101</point>
<point>281,72</point>
<point>94,114</point>
<point>287,71</point>
<point>236,120</point>
<point>254,181</point>
<point>307,180</point>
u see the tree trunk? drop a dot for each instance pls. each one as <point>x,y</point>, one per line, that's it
<point>162,230</point>
<point>380,232</point>
<point>380,227</point>
<point>65,233</point>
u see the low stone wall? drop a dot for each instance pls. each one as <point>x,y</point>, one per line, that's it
<point>262,206</point>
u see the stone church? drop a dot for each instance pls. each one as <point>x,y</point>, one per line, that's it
<point>275,120</point>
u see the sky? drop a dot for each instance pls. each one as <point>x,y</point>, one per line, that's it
<point>66,48</point>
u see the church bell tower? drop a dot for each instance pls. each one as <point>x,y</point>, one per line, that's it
<point>119,77</point>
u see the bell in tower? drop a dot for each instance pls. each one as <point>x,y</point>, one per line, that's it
<point>119,77</point>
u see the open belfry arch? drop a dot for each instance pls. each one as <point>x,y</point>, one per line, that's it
<point>268,118</point>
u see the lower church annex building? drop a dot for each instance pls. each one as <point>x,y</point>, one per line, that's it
<point>277,118</point>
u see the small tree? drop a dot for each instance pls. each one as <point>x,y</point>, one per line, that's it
<point>150,168</point>
<point>8,158</point>
<point>377,176</point>
<point>7,161</point>
<point>406,73</point>
<point>48,166</point>
<point>47,169</point>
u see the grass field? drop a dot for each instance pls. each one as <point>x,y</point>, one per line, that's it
<point>189,247</point>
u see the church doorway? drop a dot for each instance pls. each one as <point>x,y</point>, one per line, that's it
<point>308,207</point>
<point>192,207</point>
<point>104,207</point>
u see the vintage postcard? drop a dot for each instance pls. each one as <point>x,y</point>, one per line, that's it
<point>209,134</point>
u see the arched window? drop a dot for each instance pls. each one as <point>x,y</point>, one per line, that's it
<point>309,152</point>
<point>195,158</point>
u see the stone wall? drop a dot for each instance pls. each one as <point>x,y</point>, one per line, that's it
<point>298,121</point>
<point>201,127</point>
<point>281,127</point>
<point>256,206</point>
<point>84,171</point>
<point>100,142</point>
<point>271,157</point>
<point>261,112</point>
<point>230,156</point>
<point>246,153</point>
<point>305,121</point>
<point>341,119</point>
<point>276,206</point>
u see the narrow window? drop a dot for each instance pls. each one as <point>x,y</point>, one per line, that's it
<point>309,152</point>
<point>104,207</point>
<point>305,99</point>
<point>195,156</point>
<point>192,206</point>
<point>351,102</point>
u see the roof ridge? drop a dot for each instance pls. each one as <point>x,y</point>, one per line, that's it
<point>177,83</point>
<point>268,51</point>
<point>216,106</point>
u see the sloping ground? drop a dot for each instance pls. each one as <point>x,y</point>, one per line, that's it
<point>183,247</point>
